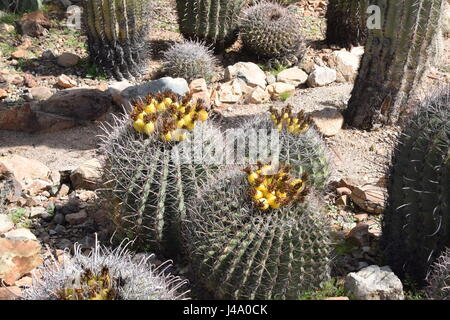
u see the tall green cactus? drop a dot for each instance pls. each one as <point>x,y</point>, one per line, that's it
<point>416,226</point>
<point>396,58</point>
<point>19,6</point>
<point>238,251</point>
<point>147,181</point>
<point>346,22</point>
<point>213,21</point>
<point>116,33</point>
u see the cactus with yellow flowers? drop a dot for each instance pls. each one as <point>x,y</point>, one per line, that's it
<point>153,161</point>
<point>299,144</point>
<point>258,234</point>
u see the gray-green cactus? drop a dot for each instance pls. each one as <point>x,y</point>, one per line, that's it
<point>347,22</point>
<point>438,278</point>
<point>238,251</point>
<point>20,6</point>
<point>189,60</point>
<point>416,227</point>
<point>213,21</point>
<point>147,181</point>
<point>105,274</point>
<point>117,34</point>
<point>273,33</point>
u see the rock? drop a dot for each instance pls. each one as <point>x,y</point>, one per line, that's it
<point>277,88</point>
<point>65,81</point>
<point>29,80</point>
<point>321,76</point>
<point>40,93</point>
<point>357,51</point>
<point>37,212</point>
<point>115,89</point>
<point>10,293</point>
<point>59,229</point>
<point>258,96</point>
<point>200,92</point>
<point>343,191</point>
<point>249,72</point>
<point>270,78</point>
<point>64,244</point>
<point>308,66</point>
<point>78,104</point>
<point>37,187</point>
<point>87,175</point>
<point>341,201</point>
<point>27,170</point>
<point>18,257</point>
<point>346,65</point>
<point>33,24</point>
<point>67,59</point>
<point>24,282</point>
<point>63,191</point>
<point>101,218</point>
<point>76,218</point>
<point>87,196</point>
<point>59,218</point>
<point>48,55</point>
<point>3,94</point>
<point>178,86</point>
<point>5,223</point>
<point>21,234</point>
<point>360,235</point>
<point>360,217</point>
<point>294,76</point>
<point>370,198</point>
<point>19,54</point>
<point>374,283</point>
<point>6,28</point>
<point>337,298</point>
<point>230,92</point>
<point>328,121</point>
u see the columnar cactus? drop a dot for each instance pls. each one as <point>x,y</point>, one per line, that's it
<point>117,35</point>
<point>189,60</point>
<point>346,22</point>
<point>246,241</point>
<point>20,5</point>
<point>213,21</point>
<point>438,278</point>
<point>152,163</point>
<point>105,274</point>
<point>416,227</point>
<point>271,32</point>
<point>396,58</point>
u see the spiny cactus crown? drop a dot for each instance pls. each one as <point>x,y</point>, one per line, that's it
<point>439,278</point>
<point>167,115</point>
<point>272,187</point>
<point>271,31</point>
<point>105,274</point>
<point>190,60</point>
<point>285,119</point>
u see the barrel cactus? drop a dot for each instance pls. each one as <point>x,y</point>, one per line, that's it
<point>153,161</point>
<point>105,274</point>
<point>416,227</point>
<point>273,33</point>
<point>257,235</point>
<point>213,21</point>
<point>438,278</point>
<point>295,142</point>
<point>117,36</point>
<point>189,60</point>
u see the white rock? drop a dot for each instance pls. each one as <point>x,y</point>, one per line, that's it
<point>321,76</point>
<point>357,51</point>
<point>230,92</point>
<point>258,96</point>
<point>346,65</point>
<point>294,76</point>
<point>248,72</point>
<point>374,283</point>
<point>5,223</point>
<point>116,88</point>
<point>20,234</point>
<point>278,88</point>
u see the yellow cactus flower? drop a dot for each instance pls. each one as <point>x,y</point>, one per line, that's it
<point>138,125</point>
<point>202,115</point>
<point>149,128</point>
<point>150,108</point>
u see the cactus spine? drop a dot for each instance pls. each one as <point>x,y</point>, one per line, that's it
<point>416,227</point>
<point>395,60</point>
<point>439,278</point>
<point>116,35</point>
<point>213,21</point>
<point>241,252</point>
<point>346,22</point>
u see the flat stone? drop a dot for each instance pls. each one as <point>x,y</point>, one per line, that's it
<point>87,175</point>
<point>40,93</point>
<point>258,96</point>
<point>230,92</point>
<point>68,59</point>
<point>294,76</point>
<point>370,198</point>
<point>37,212</point>
<point>328,121</point>
<point>20,234</point>
<point>76,218</point>
<point>65,82</point>
<point>249,72</point>
<point>27,170</point>
<point>278,88</point>
<point>5,223</point>
<point>321,76</point>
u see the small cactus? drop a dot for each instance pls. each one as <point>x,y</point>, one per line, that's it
<point>273,33</point>
<point>439,278</point>
<point>189,60</point>
<point>105,274</point>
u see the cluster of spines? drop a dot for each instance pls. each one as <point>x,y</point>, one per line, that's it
<point>166,114</point>
<point>287,120</point>
<point>272,187</point>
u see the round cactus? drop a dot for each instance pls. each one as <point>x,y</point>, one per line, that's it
<point>416,226</point>
<point>272,32</point>
<point>439,278</point>
<point>242,248</point>
<point>189,60</point>
<point>105,274</point>
<point>152,163</point>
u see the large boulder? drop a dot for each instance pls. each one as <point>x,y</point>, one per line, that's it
<point>374,283</point>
